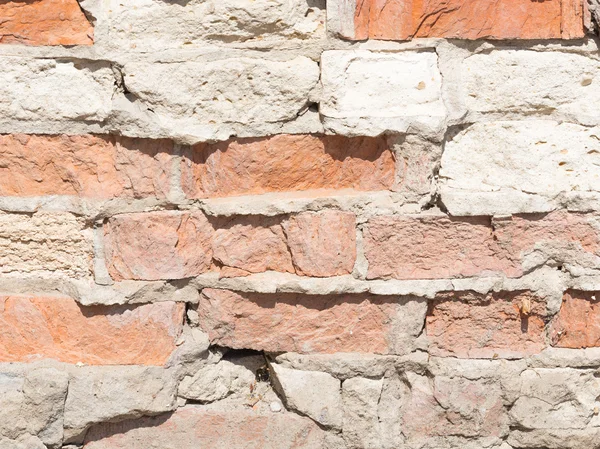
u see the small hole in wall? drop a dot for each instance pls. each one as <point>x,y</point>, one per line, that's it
<point>559,268</point>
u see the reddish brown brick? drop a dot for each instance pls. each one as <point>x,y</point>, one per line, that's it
<point>287,163</point>
<point>471,19</point>
<point>430,247</point>
<point>85,166</point>
<point>310,323</point>
<point>470,325</point>
<point>577,324</point>
<point>158,245</point>
<point>252,244</point>
<point>33,328</point>
<point>322,244</point>
<point>44,22</point>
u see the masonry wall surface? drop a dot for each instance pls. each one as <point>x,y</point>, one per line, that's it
<point>286,224</point>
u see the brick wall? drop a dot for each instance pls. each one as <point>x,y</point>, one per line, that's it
<point>277,224</point>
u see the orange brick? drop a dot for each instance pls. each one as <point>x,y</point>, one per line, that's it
<point>34,328</point>
<point>158,245</point>
<point>287,163</point>
<point>577,324</point>
<point>44,22</point>
<point>85,166</point>
<point>431,247</point>
<point>471,19</point>
<point>469,325</point>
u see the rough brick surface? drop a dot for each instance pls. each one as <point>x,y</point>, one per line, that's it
<point>504,19</point>
<point>515,83</point>
<point>430,247</point>
<point>577,325</point>
<point>307,324</point>
<point>253,245</point>
<point>174,25</point>
<point>44,22</point>
<point>44,244</point>
<point>322,244</point>
<point>85,166</point>
<point>513,167</point>
<point>210,428</point>
<point>58,328</point>
<point>158,245</point>
<point>287,163</point>
<point>368,93</point>
<point>476,326</point>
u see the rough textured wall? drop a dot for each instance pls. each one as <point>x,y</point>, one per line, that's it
<point>277,224</point>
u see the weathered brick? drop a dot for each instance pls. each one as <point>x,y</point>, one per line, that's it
<point>287,163</point>
<point>45,243</point>
<point>252,244</point>
<point>50,96</point>
<point>369,93</point>
<point>510,167</point>
<point>323,243</point>
<point>307,324</point>
<point>504,19</point>
<point>58,328</point>
<point>200,426</point>
<point>430,247</point>
<point>44,22</point>
<point>214,99</point>
<point>470,325</point>
<point>146,25</point>
<point>525,83</point>
<point>309,244</point>
<point>86,166</point>
<point>158,245</point>
<point>577,324</point>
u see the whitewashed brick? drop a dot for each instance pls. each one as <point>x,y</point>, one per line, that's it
<point>368,93</point>
<point>41,93</point>
<point>215,99</point>
<point>517,167</point>
<point>153,25</point>
<point>524,83</point>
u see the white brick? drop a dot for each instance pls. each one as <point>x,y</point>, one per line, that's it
<point>368,93</point>
<point>44,244</point>
<point>518,167</point>
<point>215,99</point>
<point>150,25</point>
<point>522,82</point>
<point>41,93</point>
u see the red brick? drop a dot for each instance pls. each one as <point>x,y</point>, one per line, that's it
<point>252,244</point>
<point>430,247</point>
<point>287,163</point>
<point>577,324</point>
<point>44,22</point>
<point>322,244</point>
<point>158,245</point>
<point>195,427</point>
<point>85,166</point>
<point>469,325</point>
<point>471,19</point>
<point>33,328</point>
<point>299,323</point>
